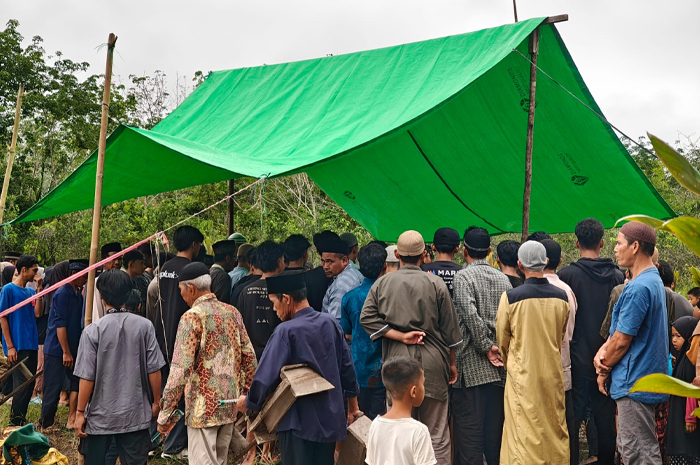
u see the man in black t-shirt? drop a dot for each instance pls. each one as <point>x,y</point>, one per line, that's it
<point>187,240</point>
<point>446,246</point>
<point>507,259</point>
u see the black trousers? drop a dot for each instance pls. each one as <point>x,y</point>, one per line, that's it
<point>297,451</point>
<point>133,447</point>
<point>478,416</point>
<point>372,401</point>
<point>54,375</point>
<point>571,427</point>
<point>586,393</point>
<point>20,401</point>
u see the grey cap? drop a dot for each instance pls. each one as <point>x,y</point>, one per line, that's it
<point>390,255</point>
<point>533,256</point>
<point>349,238</point>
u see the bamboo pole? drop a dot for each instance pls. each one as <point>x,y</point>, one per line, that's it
<point>515,11</point>
<point>534,50</point>
<point>11,154</point>
<point>94,244</point>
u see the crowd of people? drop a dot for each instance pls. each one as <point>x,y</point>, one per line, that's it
<point>455,363</point>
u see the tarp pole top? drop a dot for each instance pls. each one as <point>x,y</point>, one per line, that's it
<point>556,19</point>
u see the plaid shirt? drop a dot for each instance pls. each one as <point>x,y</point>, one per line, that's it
<point>477,291</point>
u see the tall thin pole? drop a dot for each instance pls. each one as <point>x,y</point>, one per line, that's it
<point>11,154</point>
<point>515,11</point>
<point>534,50</point>
<point>94,244</point>
<point>231,207</point>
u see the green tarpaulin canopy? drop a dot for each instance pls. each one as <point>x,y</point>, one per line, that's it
<point>420,136</point>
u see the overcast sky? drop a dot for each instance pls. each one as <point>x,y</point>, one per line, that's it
<point>639,58</point>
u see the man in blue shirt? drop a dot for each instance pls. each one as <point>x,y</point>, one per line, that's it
<point>309,430</point>
<point>20,338</point>
<point>638,346</point>
<point>336,265</point>
<point>61,346</point>
<point>366,355</point>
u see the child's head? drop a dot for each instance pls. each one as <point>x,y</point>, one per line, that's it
<point>403,378</point>
<point>133,302</point>
<point>694,296</point>
<point>682,330</point>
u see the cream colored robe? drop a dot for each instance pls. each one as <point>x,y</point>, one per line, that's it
<point>530,326</point>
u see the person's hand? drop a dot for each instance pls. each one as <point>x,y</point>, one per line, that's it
<point>67,360</point>
<point>690,427</point>
<point>600,368</point>
<point>696,381</point>
<point>79,425</point>
<point>413,337</point>
<point>155,410</point>
<point>166,428</point>
<point>494,356</point>
<point>353,416</point>
<point>240,405</point>
<point>601,384</point>
<point>453,374</point>
<point>39,283</point>
<point>12,356</point>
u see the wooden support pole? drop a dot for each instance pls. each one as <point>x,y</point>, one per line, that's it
<point>231,206</point>
<point>515,11</point>
<point>534,50</point>
<point>97,211</point>
<point>11,154</point>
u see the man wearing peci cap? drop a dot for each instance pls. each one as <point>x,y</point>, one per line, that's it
<point>224,262</point>
<point>61,345</point>
<point>307,433</point>
<point>476,398</point>
<point>12,257</point>
<point>412,312</point>
<point>213,361</point>
<point>392,259</point>
<point>334,256</point>
<point>637,346</point>
<point>107,250</point>
<point>446,246</point>
<point>354,248</point>
<point>530,327</point>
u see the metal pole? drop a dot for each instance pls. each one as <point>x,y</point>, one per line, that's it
<point>534,50</point>
<point>11,154</point>
<point>94,244</point>
<point>231,207</point>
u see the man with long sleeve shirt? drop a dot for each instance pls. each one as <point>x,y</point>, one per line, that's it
<point>213,361</point>
<point>413,313</point>
<point>334,257</point>
<point>309,430</point>
<point>477,396</point>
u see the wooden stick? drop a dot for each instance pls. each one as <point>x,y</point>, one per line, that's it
<point>515,11</point>
<point>534,50</point>
<point>11,153</point>
<point>231,206</point>
<point>94,244</point>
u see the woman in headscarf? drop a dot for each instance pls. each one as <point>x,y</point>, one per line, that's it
<point>682,432</point>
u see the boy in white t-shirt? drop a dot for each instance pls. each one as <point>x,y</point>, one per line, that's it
<point>396,438</point>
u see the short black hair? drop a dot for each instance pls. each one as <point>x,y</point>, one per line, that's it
<point>294,247</point>
<point>538,236</point>
<point>132,256</point>
<point>410,259</point>
<point>445,248</point>
<point>479,255</point>
<point>553,254</point>
<point>251,256</point>
<point>114,286</point>
<point>133,301</point>
<point>695,292</point>
<point>269,253</point>
<point>589,233</point>
<point>25,261</point>
<point>399,374</point>
<point>382,243</point>
<point>297,296</point>
<point>507,252</point>
<point>184,237</point>
<point>220,257</point>
<point>646,247</point>
<point>372,258</point>
<point>666,273</point>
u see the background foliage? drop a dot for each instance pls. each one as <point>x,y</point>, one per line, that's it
<point>60,127</point>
